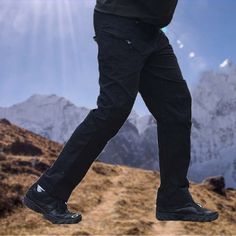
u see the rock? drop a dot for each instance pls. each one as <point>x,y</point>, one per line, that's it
<point>23,148</point>
<point>10,197</point>
<point>5,121</point>
<point>216,184</point>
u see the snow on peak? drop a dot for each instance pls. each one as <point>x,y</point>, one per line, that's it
<point>225,63</point>
<point>46,99</point>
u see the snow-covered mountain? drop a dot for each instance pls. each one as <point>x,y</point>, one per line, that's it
<point>213,138</point>
<point>50,116</point>
<point>214,126</point>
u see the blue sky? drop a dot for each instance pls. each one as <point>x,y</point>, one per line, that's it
<point>46,46</point>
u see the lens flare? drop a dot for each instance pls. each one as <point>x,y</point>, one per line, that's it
<point>164,29</point>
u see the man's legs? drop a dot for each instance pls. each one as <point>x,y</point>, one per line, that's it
<point>119,66</point>
<point>167,97</point>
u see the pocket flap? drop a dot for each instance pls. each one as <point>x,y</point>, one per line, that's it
<point>138,44</point>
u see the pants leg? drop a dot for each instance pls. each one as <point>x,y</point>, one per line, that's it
<point>119,69</point>
<point>168,98</point>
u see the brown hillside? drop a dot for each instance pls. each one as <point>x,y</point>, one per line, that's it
<point>113,199</point>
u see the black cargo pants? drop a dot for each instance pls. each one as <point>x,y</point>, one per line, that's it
<point>133,57</point>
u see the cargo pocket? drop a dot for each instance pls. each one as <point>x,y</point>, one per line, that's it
<point>120,42</point>
<point>127,43</point>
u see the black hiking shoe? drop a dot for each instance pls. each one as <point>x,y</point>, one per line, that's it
<point>52,209</point>
<point>190,212</point>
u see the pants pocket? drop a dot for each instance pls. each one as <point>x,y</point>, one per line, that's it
<point>121,40</point>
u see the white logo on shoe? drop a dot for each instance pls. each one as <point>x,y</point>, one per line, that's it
<point>40,189</point>
<point>199,204</point>
<point>75,215</point>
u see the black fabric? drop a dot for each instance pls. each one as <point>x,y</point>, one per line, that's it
<point>133,57</point>
<point>158,12</point>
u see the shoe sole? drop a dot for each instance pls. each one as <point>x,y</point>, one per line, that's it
<point>194,217</point>
<point>35,207</point>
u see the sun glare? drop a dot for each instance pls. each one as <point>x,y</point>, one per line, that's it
<point>52,21</point>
